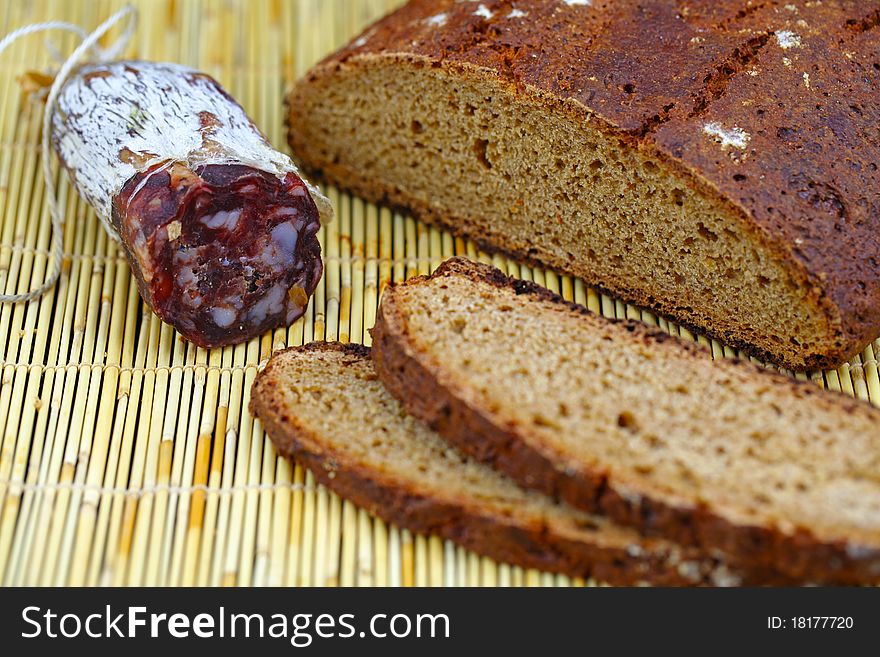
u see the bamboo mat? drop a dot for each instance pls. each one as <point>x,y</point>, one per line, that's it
<point>128,457</point>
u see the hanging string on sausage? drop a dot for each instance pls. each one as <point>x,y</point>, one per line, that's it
<point>88,44</point>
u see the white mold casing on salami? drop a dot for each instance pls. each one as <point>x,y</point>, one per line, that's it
<point>219,227</point>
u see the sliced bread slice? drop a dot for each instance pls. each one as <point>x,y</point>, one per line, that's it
<point>323,405</point>
<point>621,419</point>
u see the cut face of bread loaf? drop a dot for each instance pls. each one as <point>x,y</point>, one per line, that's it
<point>323,405</point>
<point>717,166</point>
<point>617,418</point>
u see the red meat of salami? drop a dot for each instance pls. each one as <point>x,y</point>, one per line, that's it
<point>219,228</point>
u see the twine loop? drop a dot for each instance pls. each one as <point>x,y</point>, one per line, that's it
<point>89,43</point>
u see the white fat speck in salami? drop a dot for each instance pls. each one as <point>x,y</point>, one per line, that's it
<point>226,219</point>
<point>285,236</point>
<point>285,212</point>
<point>223,317</point>
<point>219,228</point>
<point>271,303</point>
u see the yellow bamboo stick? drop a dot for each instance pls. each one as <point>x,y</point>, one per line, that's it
<point>293,574</point>
<point>208,569</point>
<point>221,425</point>
<point>125,289</point>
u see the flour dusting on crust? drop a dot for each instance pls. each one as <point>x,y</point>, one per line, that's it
<point>483,12</point>
<point>727,137</point>
<point>436,20</point>
<point>788,39</point>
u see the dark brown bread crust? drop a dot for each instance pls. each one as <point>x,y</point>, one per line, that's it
<point>799,555</point>
<point>806,181</point>
<point>497,537</point>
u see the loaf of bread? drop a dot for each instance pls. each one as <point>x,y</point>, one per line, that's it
<point>714,160</point>
<point>323,405</point>
<point>624,420</point>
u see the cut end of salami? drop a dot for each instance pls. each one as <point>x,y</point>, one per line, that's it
<point>222,252</point>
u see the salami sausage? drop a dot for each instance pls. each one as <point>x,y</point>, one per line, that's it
<point>219,228</point>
